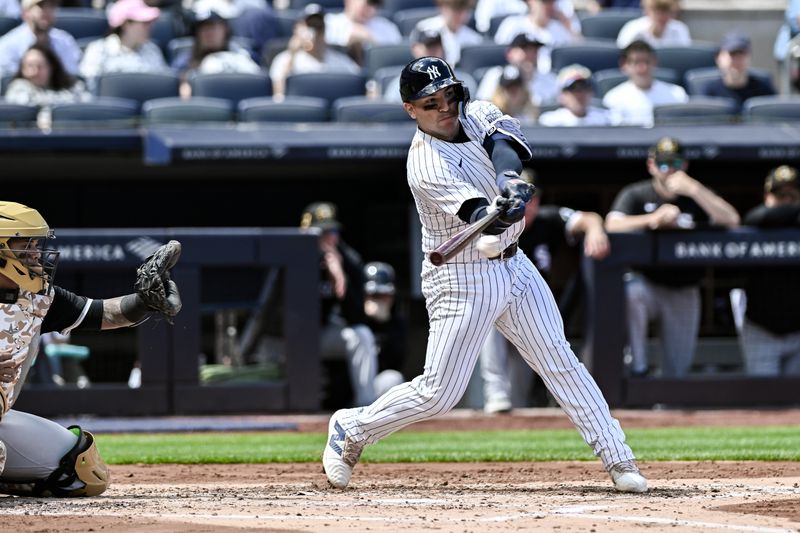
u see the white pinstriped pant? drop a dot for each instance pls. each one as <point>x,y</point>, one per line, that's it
<point>466,300</point>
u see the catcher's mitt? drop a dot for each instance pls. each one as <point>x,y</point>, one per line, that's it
<point>153,284</point>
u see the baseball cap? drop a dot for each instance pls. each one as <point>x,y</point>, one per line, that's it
<point>312,11</point>
<point>735,41</point>
<point>573,76</point>
<point>136,10</point>
<point>204,10</point>
<point>379,278</point>
<point>425,37</point>
<point>783,176</point>
<point>511,76</point>
<point>666,149</point>
<point>320,215</point>
<point>522,40</point>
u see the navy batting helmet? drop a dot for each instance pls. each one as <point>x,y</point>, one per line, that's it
<point>379,278</point>
<point>426,75</point>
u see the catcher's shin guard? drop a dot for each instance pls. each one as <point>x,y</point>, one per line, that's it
<point>81,472</point>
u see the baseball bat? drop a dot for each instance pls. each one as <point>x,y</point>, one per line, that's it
<point>448,249</point>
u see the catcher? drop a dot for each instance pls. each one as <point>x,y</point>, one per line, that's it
<point>39,457</point>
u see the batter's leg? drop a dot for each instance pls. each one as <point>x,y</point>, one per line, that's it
<point>533,324</point>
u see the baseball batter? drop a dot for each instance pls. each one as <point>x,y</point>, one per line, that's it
<point>464,161</point>
<point>39,457</point>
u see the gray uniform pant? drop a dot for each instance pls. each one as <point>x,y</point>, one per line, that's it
<point>506,377</point>
<point>34,446</point>
<point>678,312</point>
<point>767,354</point>
<point>356,345</point>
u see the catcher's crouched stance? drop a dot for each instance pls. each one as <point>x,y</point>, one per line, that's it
<point>39,457</point>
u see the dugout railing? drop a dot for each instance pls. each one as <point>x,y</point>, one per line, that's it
<point>218,268</point>
<point>606,327</point>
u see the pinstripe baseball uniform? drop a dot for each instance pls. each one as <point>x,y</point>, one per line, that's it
<point>470,295</point>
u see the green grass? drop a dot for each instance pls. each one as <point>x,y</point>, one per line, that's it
<point>662,444</point>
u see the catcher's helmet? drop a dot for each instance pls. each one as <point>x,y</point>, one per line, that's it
<point>25,260</point>
<point>379,278</point>
<point>426,75</point>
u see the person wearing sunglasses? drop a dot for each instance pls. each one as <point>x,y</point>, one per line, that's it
<point>670,200</point>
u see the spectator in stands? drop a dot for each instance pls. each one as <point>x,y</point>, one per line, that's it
<point>770,332</point>
<point>212,51</point>
<point>451,24</point>
<point>733,60</point>
<point>595,6</point>
<point>344,335</point>
<point>548,228</point>
<point>386,323</point>
<point>308,52</point>
<point>522,53</point>
<point>789,29</point>
<point>38,19</point>
<point>423,43</point>
<point>42,81</point>
<point>487,10</point>
<point>658,26</point>
<point>10,9</point>
<point>360,26</point>
<point>671,199</point>
<point>128,47</point>
<point>576,101</point>
<point>252,20</point>
<point>632,102</point>
<point>512,97</point>
<point>546,22</point>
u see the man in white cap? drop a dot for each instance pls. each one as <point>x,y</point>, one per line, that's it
<point>576,101</point>
<point>38,18</point>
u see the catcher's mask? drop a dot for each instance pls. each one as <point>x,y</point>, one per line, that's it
<point>25,257</point>
<point>426,75</point>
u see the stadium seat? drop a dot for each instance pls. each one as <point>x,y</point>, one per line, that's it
<point>607,23</point>
<point>105,112</point>
<point>290,109</point>
<point>195,109</point>
<point>594,55</point>
<point>406,19</point>
<point>607,79</point>
<point>390,7</point>
<point>698,78</point>
<point>285,19</point>
<point>698,110</point>
<point>684,58</point>
<point>8,23</point>
<point>178,46</point>
<point>772,109</point>
<point>328,5</point>
<point>363,109</point>
<point>137,86</point>
<point>494,24</point>
<point>163,30</point>
<point>376,57</point>
<point>16,115</point>
<point>328,85</point>
<point>479,56</point>
<point>82,22</point>
<point>231,86</point>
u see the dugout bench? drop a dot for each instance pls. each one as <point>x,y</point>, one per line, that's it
<point>606,327</point>
<point>218,268</point>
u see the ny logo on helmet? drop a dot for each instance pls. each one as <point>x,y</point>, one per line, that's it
<point>433,72</point>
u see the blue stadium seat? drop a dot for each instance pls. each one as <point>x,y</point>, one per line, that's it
<point>772,109</point>
<point>607,79</point>
<point>406,19</point>
<point>698,110</point>
<point>137,86</point>
<point>163,30</point>
<point>286,19</point>
<point>82,22</point>
<point>607,23</point>
<point>328,5</point>
<point>684,58</point>
<point>379,56</point>
<point>231,86</point>
<point>592,54</point>
<point>483,55</point>
<point>698,78</point>
<point>178,46</point>
<point>100,112</point>
<point>390,7</point>
<point>363,109</point>
<point>195,109</point>
<point>494,24</point>
<point>15,115</point>
<point>289,109</point>
<point>328,85</point>
<point>8,23</point>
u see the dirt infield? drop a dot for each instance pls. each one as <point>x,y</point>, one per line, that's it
<point>561,496</point>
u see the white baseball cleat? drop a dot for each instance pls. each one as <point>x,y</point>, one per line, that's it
<point>627,478</point>
<point>341,454</point>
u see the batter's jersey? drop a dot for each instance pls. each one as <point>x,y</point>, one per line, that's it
<point>443,175</point>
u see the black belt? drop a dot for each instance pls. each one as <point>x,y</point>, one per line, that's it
<point>508,253</point>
